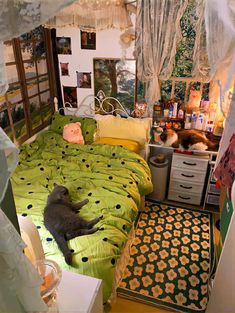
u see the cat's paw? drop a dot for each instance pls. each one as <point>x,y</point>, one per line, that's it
<point>68,259</point>
<point>85,201</point>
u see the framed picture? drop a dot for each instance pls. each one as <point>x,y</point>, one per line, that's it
<point>63,45</point>
<point>64,69</point>
<point>117,78</point>
<point>83,80</point>
<point>70,95</point>
<point>88,40</point>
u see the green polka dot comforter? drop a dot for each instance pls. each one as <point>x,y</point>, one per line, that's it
<point>111,177</point>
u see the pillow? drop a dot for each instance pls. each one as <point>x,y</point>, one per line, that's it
<point>72,133</point>
<point>129,144</point>
<point>88,125</point>
<point>128,128</point>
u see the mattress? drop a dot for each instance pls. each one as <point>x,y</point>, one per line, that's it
<point>113,179</point>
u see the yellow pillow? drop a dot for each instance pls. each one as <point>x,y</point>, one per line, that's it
<point>123,128</point>
<point>129,144</point>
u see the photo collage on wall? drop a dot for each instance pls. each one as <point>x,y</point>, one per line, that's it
<point>64,69</point>
<point>83,80</point>
<point>70,96</point>
<point>88,40</point>
<point>64,47</point>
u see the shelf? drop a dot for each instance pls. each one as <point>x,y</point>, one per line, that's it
<point>151,144</point>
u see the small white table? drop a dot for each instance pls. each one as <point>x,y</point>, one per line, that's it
<point>79,294</point>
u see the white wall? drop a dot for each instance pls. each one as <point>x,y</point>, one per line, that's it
<point>107,46</point>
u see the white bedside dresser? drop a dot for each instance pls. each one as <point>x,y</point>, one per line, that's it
<point>187,179</point>
<point>79,294</point>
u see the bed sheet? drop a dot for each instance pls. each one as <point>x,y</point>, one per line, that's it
<point>111,177</point>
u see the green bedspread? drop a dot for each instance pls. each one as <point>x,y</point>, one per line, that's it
<point>111,177</point>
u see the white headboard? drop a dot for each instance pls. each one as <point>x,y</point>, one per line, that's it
<point>91,105</point>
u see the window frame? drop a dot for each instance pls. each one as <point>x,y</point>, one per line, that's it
<point>23,84</point>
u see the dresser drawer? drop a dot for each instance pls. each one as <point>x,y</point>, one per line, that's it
<point>212,199</point>
<point>186,187</point>
<point>184,197</point>
<point>187,175</point>
<point>190,162</point>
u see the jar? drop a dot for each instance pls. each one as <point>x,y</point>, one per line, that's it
<point>51,276</point>
<point>156,135</point>
<point>157,109</point>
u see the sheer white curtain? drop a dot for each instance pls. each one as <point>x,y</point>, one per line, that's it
<point>20,16</point>
<point>220,29</point>
<point>158,33</point>
<point>201,68</point>
<point>8,159</point>
<point>20,282</point>
<point>93,15</point>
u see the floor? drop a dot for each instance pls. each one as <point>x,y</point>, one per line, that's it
<point>126,306</point>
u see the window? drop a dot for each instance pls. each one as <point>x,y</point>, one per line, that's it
<point>179,85</point>
<point>28,104</point>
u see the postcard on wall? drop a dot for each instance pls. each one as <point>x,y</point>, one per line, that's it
<point>64,67</point>
<point>83,80</point>
<point>70,96</point>
<point>88,40</point>
<point>63,45</point>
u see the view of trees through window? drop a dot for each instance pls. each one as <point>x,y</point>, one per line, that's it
<point>184,58</point>
<point>28,104</point>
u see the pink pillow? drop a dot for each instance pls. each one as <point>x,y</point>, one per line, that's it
<point>72,133</point>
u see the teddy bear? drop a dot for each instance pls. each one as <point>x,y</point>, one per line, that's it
<point>73,134</point>
<point>194,101</point>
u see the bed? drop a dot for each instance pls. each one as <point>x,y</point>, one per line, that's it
<point>113,178</point>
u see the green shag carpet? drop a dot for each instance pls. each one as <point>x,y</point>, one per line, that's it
<point>171,259</point>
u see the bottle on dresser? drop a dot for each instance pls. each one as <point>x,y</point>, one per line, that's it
<point>187,122</point>
<point>194,120</point>
<point>174,113</point>
<point>199,122</point>
<point>171,109</point>
<point>180,114</point>
<point>210,126</point>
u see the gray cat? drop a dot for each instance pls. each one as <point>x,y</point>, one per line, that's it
<point>62,221</point>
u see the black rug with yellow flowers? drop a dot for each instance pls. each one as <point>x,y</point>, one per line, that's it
<point>171,259</point>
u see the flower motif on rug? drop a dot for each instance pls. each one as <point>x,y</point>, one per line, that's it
<point>170,259</point>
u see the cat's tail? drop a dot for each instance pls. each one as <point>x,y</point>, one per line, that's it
<point>62,244</point>
<point>212,146</point>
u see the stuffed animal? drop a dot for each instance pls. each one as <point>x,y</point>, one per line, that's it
<point>139,109</point>
<point>73,134</point>
<point>194,101</point>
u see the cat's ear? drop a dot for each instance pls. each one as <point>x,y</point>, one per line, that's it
<point>55,184</point>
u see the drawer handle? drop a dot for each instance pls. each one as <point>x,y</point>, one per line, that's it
<point>191,164</point>
<point>185,187</point>
<point>190,176</point>
<point>185,198</point>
